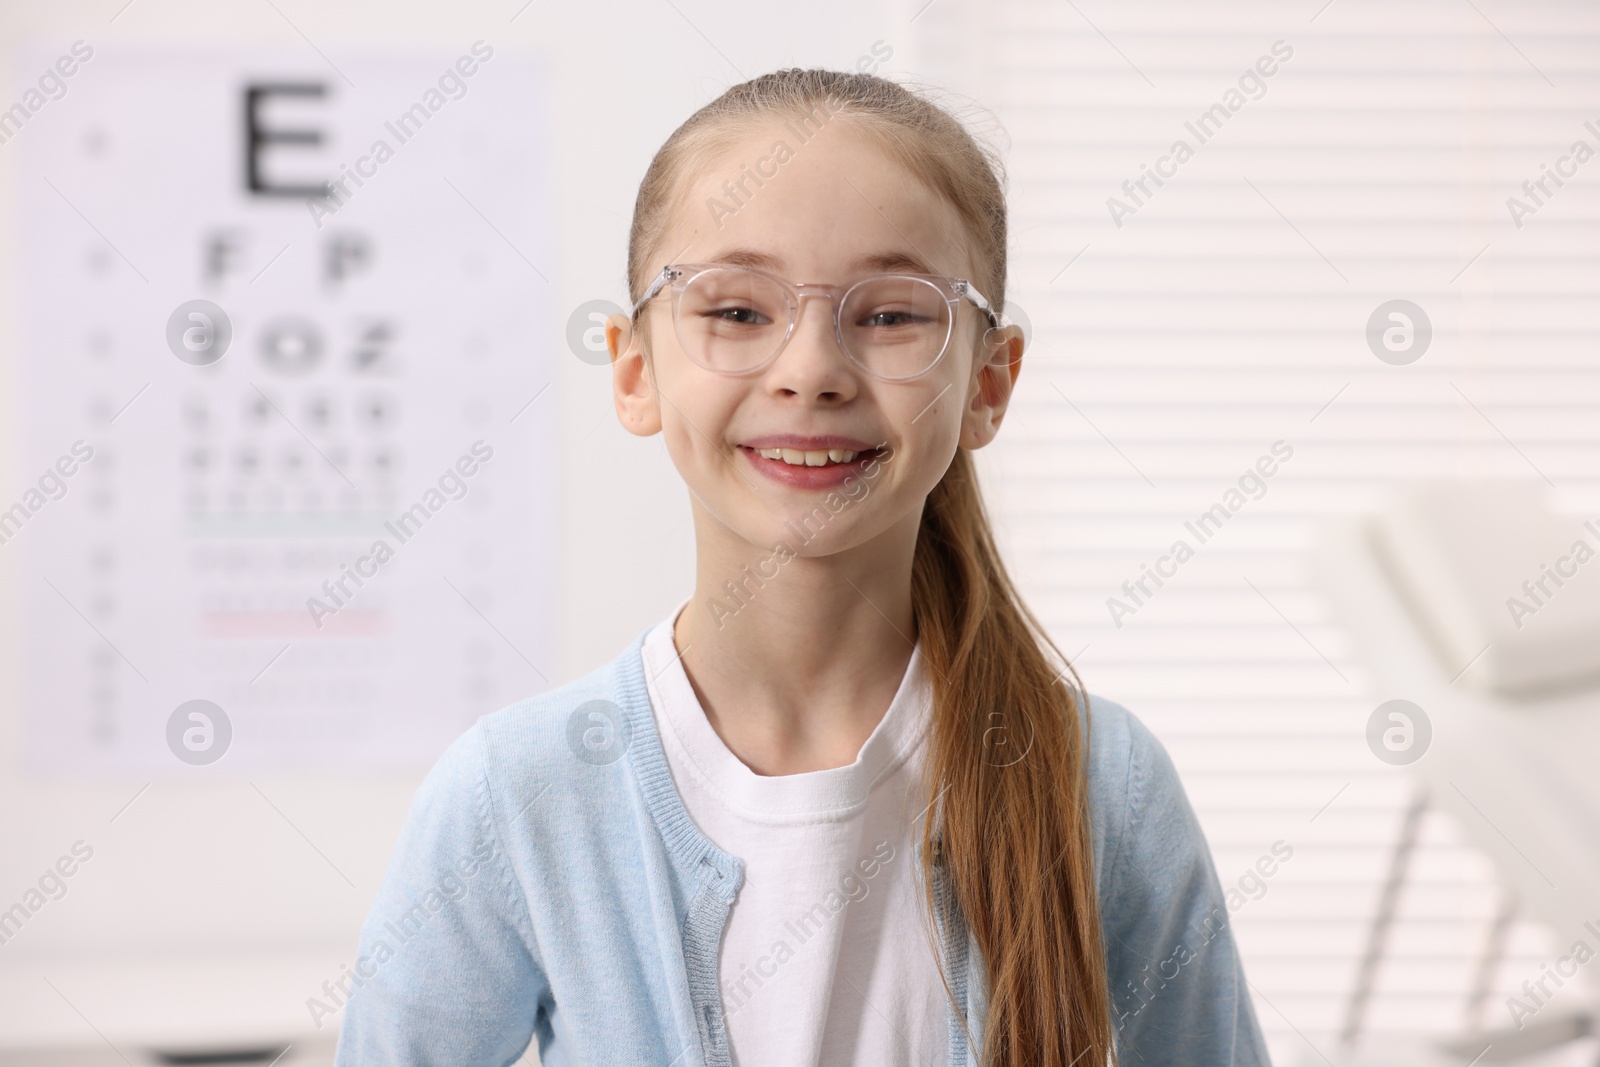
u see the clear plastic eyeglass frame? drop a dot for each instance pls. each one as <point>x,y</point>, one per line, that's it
<point>679,275</point>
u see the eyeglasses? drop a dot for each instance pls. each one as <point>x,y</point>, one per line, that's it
<point>735,320</point>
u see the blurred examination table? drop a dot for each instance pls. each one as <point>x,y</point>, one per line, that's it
<point>1473,602</point>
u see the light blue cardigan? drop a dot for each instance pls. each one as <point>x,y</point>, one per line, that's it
<point>547,888</point>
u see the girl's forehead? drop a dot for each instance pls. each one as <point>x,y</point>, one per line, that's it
<point>814,204</point>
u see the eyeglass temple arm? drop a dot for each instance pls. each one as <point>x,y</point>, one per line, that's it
<point>666,275</point>
<point>981,302</point>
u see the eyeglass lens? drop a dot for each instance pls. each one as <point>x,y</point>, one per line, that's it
<point>733,320</point>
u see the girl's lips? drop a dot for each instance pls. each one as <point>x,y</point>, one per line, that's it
<point>830,476</point>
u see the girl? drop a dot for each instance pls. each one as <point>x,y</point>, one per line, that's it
<point>842,806</point>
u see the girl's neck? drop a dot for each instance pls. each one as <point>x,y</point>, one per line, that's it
<point>795,659</point>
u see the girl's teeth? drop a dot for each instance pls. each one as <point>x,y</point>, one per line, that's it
<point>818,458</point>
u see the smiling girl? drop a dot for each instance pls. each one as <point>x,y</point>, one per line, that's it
<point>846,803</point>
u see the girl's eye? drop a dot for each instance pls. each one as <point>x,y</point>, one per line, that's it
<point>890,319</point>
<point>740,316</point>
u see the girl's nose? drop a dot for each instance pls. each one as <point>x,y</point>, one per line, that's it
<point>812,365</point>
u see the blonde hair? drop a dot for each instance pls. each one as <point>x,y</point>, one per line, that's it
<point>1012,832</point>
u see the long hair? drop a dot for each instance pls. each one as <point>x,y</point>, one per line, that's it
<point>1007,817</point>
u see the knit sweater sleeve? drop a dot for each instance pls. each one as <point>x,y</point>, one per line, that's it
<point>447,971</point>
<point>1178,990</point>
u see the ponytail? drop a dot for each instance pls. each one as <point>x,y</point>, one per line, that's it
<point>1007,817</point>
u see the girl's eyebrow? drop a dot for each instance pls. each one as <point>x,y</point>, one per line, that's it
<point>748,257</point>
<point>893,263</point>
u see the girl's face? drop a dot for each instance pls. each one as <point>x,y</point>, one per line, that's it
<point>837,209</point>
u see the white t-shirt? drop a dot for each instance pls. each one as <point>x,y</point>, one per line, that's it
<point>826,959</point>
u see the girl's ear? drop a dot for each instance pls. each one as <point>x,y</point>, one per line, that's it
<point>632,390</point>
<point>996,365</point>
<point>1004,344</point>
